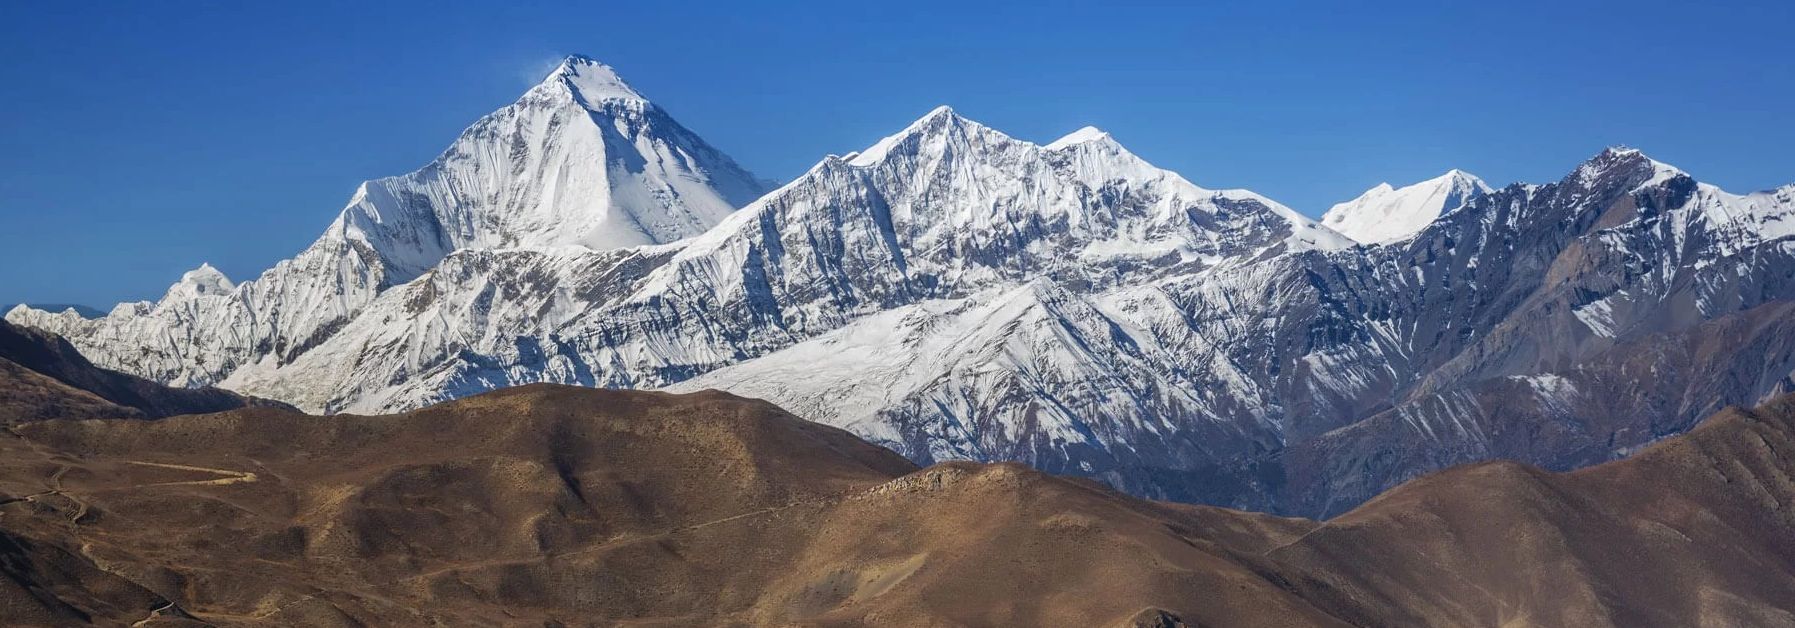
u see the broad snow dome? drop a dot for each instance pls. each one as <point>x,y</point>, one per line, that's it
<point>202,281</point>
<point>1086,134</point>
<point>1386,214</point>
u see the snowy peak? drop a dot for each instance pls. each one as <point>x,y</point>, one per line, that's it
<point>1094,158</point>
<point>939,129</point>
<point>1082,136</point>
<point>580,160</point>
<point>1090,155</point>
<point>942,119</point>
<point>591,82</point>
<point>1387,214</point>
<point>202,281</point>
<point>1458,181</point>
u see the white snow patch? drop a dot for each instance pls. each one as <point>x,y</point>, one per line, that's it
<point>1386,214</point>
<point>1598,316</point>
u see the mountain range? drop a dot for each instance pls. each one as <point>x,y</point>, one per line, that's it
<point>954,293</point>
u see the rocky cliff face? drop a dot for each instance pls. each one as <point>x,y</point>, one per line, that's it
<point>1593,316</point>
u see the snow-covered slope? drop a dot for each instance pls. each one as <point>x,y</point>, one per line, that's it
<point>1064,381</point>
<point>1386,214</point>
<point>1167,383</point>
<point>581,160</point>
<point>944,209</point>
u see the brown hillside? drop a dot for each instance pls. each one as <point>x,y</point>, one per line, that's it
<point>548,505</point>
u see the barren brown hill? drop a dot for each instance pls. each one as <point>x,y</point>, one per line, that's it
<point>1694,531</point>
<point>547,505</point>
<point>31,359</point>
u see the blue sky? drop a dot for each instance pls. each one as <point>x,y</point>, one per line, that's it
<point>140,139</point>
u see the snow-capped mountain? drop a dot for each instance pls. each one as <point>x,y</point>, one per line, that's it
<point>946,208</point>
<point>1386,214</point>
<point>954,292</point>
<point>581,160</point>
<point>1249,383</point>
<point>1566,324</point>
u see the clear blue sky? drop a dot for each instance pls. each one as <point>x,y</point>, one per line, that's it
<point>140,139</point>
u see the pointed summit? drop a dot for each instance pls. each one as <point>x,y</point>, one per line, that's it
<point>939,117</point>
<point>1387,214</point>
<point>937,127</point>
<point>1623,165</point>
<point>938,112</point>
<point>582,159</point>
<point>591,81</point>
<point>1094,158</point>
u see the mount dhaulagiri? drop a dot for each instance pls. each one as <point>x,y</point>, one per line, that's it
<point>581,160</point>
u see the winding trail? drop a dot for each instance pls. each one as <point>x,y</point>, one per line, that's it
<point>231,477</point>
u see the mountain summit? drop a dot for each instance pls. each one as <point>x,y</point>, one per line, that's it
<point>1386,214</point>
<point>591,81</point>
<point>201,281</point>
<point>582,159</point>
